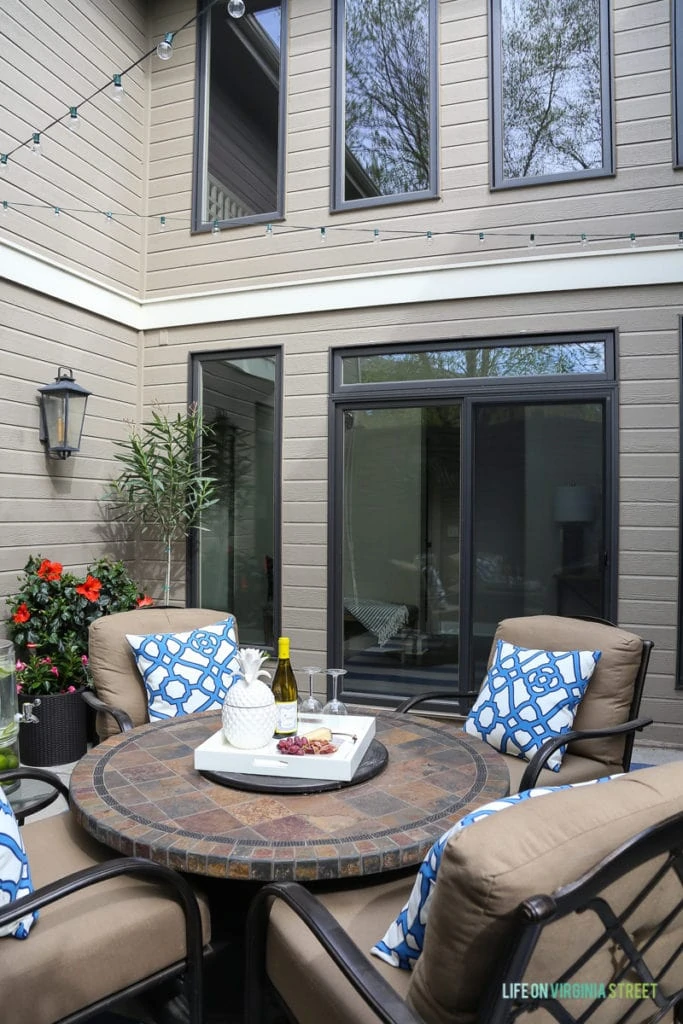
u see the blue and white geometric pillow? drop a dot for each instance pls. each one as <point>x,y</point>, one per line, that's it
<point>186,672</point>
<point>529,696</point>
<point>15,873</point>
<point>403,940</point>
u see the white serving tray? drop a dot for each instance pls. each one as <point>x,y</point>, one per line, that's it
<point>217,755</point>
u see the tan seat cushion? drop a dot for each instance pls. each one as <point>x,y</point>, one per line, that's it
<point>91,944</point>
<point>572,769</point>
<point>536,847</point>
<point>306,979</point>
<point>112,663</point>
<point>610,690</point>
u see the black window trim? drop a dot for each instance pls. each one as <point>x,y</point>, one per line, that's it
<point>338,203</point>
<point>608,169</point>
<point>197,360</point>
<point>677,82</point>
<point>199,225</point>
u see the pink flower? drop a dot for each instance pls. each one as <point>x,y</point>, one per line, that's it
<point>20,666</point>
<point>54,670</point>
<point>84,659</point>
<point>71,689</point>
<point>46,661</point>
<point>19,687</point>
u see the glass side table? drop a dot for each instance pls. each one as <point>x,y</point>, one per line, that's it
<point>33,794</point>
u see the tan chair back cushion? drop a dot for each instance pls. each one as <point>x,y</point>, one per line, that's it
<point>607,700</point>
<point>112,663</point>
<point>536,847</point>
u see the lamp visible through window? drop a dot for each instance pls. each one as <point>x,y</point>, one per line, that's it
<point>574,506</point>
<point>62,412</point>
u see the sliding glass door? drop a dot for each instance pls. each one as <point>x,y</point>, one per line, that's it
<point>458,502</point>
<point>400,547</point>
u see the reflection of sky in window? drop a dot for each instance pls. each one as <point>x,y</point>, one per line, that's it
<point>269,20</point>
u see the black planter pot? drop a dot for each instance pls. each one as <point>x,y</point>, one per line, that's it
<point>60,735</point>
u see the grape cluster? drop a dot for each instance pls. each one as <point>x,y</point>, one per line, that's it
<point>293,745</point>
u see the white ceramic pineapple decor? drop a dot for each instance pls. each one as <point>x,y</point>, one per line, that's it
<point>249,706</point>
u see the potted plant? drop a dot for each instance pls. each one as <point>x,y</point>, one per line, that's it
<point>48,623</point>
<point>164,489</point>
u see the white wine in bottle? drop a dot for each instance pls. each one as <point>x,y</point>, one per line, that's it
<point>285,692</point>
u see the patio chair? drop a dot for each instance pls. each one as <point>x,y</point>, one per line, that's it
<point>120,698</point>
<point>109,927</point>
<point>581,886</point>
<point>601,739</point>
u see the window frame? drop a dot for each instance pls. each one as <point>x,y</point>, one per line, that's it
<point>677,83</point>
<point>338,203</point>
<point>201,120</point>
<point>497,179</point>
<point>197,360</point>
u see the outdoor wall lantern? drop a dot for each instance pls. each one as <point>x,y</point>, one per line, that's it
<point>62,411</point>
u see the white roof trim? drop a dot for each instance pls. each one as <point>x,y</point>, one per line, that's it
<point>659,265</point>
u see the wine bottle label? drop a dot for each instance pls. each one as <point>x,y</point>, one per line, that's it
<point>286,718</point>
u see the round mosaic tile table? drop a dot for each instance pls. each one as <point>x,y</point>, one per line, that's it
<point>140,794</point>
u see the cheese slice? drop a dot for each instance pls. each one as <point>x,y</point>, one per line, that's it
<point>322,733</point>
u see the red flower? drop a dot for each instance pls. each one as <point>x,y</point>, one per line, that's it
<point>22,614</point>
<point>144,601</point>
<point>90,589</point>
<point>49,571</point>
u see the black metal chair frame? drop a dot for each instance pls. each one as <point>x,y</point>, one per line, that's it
<point>586,895</point>
<point>179,889</point>
<point>531,773</point>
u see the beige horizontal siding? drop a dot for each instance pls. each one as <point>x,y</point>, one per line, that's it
<point>640,198</point>
<point>54,55</point>
<point>53,507</point>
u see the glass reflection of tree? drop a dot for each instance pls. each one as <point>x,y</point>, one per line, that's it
<point>387,92</point>
<point>551,86</point>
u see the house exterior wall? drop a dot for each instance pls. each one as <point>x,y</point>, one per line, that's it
<point>640,198</point>
<point>127,305</point>
<point>53,57</point>
<point>52,507</point>
<point>647,324</point>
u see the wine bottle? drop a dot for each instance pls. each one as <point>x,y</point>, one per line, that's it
<point>285,692</point>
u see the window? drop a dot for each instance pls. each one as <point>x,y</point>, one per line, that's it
<point>500,504</point>
<point>385,148</point>
<point>551,90</point>
<point>235,566</point>
<point>677,40</point>
<point>239,164</point>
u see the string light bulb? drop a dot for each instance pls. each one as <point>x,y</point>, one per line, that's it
<point>323,234</point>
<point>532,241</point>
<point>583,240</point>
<point>269,230</point>
<point>430,237</point>
<point>633,241</point>
<point>165,47</point>
<point>236,8</point>
<point>162,223</point>
<point>5,207</point>
<point>57,211</point>
<point>4,160</point>
<point>117,88</point>
<point>74,121</point>
<point>110,218</point>
<point>482,238</point>
<point>214,227</point>
<point>36,144</point>
<point>375,235</point>
<point>680,239</point>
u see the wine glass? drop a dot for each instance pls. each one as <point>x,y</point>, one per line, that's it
<point>310,705</point>
<point>335,706</point>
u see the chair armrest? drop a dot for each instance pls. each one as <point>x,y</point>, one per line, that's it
<point>180,888</point>
<point>40,775</point>
<point>531,773</point>
<point>419,698</point>
<point>122,718</point>
<point>342,950</point>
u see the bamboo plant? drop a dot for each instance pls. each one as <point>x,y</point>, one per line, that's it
<point>163,489</point>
